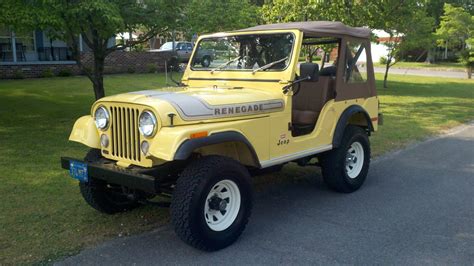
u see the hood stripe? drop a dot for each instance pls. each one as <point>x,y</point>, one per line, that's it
<point>191,108</point>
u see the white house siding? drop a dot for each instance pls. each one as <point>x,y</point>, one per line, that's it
<point>378,50</point>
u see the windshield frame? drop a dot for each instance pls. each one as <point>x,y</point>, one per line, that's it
<point>290,56</point>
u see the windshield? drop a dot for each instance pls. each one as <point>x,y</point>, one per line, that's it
<point>245,52</point>
<point>167,46</point>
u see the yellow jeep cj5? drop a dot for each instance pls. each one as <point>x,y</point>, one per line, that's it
<point>274,94</point>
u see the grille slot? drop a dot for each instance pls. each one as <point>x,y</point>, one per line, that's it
<point>124,133</point>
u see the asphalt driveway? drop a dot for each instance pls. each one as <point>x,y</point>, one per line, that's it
<point>417,207</point>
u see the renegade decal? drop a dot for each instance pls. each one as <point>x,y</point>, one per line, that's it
<point>192,107</point>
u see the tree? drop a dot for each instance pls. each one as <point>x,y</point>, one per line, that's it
<point>456,31</point>
<point>404,20</point>
<point>406,23</point>
<point>346,11</point>
<point>206,16</point>
<point>467,57</point>
<point>93,21</point>
<point>434,9</point>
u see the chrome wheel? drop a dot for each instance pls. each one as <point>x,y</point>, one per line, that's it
<point>354,160</point>
<point>222,205</point>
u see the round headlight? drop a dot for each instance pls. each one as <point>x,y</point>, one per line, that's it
<point>147,123</point>
<point>101,118</point>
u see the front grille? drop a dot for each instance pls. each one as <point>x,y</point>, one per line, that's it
<point>125,137</point>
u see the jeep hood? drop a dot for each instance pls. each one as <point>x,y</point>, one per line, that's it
<point>199,104</point>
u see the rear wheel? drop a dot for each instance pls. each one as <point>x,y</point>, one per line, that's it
<point>211,203</point>
<point>345,168</point>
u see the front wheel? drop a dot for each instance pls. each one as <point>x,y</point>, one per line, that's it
<point>345,168</point>
<point>106,198</point>
<point>211,203</point>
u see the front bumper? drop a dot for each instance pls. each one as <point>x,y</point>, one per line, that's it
<point>133,178</point>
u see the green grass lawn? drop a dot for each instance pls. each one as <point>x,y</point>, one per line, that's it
<point>436,66</point>
<point>42,215</point>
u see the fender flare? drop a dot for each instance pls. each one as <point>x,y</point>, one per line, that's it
<point>188,146</point>
<point>343,120</point>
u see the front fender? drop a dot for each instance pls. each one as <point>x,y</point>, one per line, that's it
<point>85,132</point>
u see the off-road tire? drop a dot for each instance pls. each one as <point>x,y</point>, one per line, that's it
<point>333,162</point>
<point>189,198</point>
<point>206,61</point>
<point>100,196</point>
<point>93,155</point>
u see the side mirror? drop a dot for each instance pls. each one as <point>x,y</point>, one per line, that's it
<point>309,71</point>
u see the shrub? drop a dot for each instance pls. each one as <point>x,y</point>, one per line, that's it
<point>151,68</point>
<point>65,72</point>
<point>47,73</point>
<point>18,74</point>
<point>85,70</point>
<point>383,60</point>
<point>131,70</point>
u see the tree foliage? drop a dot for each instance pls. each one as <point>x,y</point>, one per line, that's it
<point>405,21</point>
<point>456,25</point>
<point>97,21</point>
<point>345,11</point>
<point>206,16</point>
<point>456,30</point>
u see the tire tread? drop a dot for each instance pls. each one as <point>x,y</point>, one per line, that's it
<point>186,188</point>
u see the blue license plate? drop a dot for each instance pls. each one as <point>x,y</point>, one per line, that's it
<point>78,170</point>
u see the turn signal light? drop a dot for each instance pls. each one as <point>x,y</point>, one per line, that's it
<point>201,134</point>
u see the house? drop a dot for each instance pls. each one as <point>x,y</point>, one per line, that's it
<point>35,54</point>
<point>32,53</point>
<point>379,48</point>
<point>33,47</point>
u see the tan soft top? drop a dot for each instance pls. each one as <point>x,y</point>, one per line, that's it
<point>315,28</point>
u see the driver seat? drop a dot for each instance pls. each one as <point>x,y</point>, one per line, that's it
<point>308,102</point>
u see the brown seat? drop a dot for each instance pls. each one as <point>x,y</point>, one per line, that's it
<point>309,101</point>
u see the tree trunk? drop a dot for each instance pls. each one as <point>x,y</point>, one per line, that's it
<point>387,67</point>
<point>429,56</point>
<point>469,72</point>
<point>98,75</point>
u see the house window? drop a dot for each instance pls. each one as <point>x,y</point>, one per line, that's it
<point>25,46</point>
<point>356,59</point>
<point>6,53</point>
<point>26,40</point>
<point>16,47</point>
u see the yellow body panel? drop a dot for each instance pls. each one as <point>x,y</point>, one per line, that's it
<point>85,132</point>
<point>267,131</point>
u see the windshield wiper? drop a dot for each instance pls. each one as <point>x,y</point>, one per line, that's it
<point>269,65</point>
<point>225,64</point>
